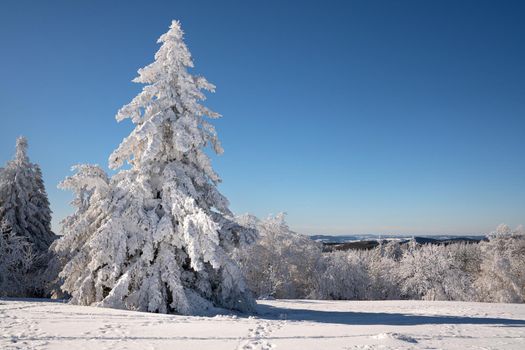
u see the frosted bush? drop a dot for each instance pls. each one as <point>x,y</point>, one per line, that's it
<point>282,263</point>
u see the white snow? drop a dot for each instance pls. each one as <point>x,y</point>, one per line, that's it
<point>279,324</point>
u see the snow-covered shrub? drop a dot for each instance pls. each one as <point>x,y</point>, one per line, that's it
<point>465,260</point>
<point>342,276</point>
<point>395,271</point>
<point>502,275</point>
<point>282,263</point>
<point>159,236</point>
<point>359,274</point>
<point>492,271</point>
<point>17,272</point>
<point>25,227</point>
<point>382,267</point>
<point>438,272</point>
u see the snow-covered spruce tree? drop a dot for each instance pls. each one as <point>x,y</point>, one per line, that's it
<point>157,237</point>
<point>25,226</point>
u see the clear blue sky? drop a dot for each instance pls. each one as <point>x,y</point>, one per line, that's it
<point>352,116</point>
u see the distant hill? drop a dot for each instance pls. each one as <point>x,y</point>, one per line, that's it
<point>332,243</point>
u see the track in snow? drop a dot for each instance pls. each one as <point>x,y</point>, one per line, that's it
<point>279,324</point>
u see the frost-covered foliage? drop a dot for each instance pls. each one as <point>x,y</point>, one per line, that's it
<point>492,271</point>
<point>17,267</point>
<point>159,236</point>
<point>359,274</point>
<point>342,276</point>
<point>434,272</point>
<point>381,267</point>
<point>25,226</point>
<point>282,263</point>
<point>502,275</point>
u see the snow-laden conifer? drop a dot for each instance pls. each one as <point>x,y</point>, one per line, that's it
<point>157,236</point>
<point>25,226</point>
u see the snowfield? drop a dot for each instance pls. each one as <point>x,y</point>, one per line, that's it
<point>282,324</point>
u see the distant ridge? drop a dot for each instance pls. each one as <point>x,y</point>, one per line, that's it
<point>365,242</point>
<point>370,237</point>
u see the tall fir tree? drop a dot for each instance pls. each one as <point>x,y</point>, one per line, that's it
<point>25,226</point>
<point>158,236</point>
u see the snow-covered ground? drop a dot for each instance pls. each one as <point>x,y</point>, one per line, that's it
<point>282,324</point>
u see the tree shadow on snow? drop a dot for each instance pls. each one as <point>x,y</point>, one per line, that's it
<point>34,300</point>
<point>376,318</point>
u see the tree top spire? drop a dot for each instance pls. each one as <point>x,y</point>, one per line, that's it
<point>175,31</point>
<point>21,150</point>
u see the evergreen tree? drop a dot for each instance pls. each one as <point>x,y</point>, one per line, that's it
<point>159,236</point>
<point>25,226</point>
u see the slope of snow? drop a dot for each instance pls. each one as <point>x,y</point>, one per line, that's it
<point>282,324</point>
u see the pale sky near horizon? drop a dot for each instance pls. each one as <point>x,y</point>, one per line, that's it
<point>351,116</point>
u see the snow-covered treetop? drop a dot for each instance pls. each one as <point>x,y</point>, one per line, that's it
<point>21,150</point>
<point>504,230</point>
<point>24,207</point>
<point>167,113</point>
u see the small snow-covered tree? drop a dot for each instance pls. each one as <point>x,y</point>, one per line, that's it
<point>422,271</point>
<point>359,274</point>
<point>502,272</point>
<point>439,272</point>
<point>281,263</point>
<point>342,276</point>
<point>159,236</point>
<point>25,226</point>
<point>382,267</point>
